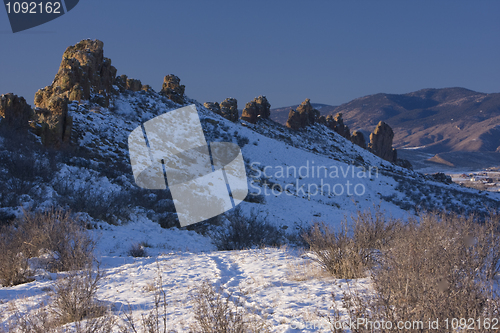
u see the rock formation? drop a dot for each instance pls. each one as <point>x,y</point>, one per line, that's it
<point>15,111</point>
<point>259,107</point>
<point>124,83</point>
<point>84,73</point>
<point>358,138</point>
<point>213,106</point>
<point>173,89</point>
<point>229,109</point>
<point>336,123</point>
<point>381,142</point>
<point>304,116</point>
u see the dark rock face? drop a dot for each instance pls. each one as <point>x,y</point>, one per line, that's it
<point>173,89</point>
<point>359,139</point>
<point>381,142</point>
<point>54,123</point>
<point>83,71</point>
<point>15,111</point>
<point>304,116</point>
<point>229,109</point>
<point>258,107</point>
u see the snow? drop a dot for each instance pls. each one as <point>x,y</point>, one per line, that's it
<point>281,285</point>
<point>287,289</point>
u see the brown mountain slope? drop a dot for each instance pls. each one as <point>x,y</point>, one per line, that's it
<point>438,120</point>
<point>441,120</point>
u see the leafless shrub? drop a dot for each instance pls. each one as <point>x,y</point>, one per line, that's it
<point>215,313</point>
<point>137,250</point>
<point>354,247</point>
<point>74,298</point>
<point>57,231</point>
<point>14,268</point>
<point>247,231</point>
<point>72,308</point>
<point>53,231</point>
<point>438,267</point>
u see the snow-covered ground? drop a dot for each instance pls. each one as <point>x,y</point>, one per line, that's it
<point>282,286</point>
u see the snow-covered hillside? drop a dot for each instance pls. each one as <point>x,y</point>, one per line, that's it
<point>294,177</point>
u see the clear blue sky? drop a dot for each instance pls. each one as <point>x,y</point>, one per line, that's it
<point>329,51</point>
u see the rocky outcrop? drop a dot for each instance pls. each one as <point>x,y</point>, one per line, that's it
<point>213,106</point>
<point>322,120</point>
<point>381,142</point>
<point>173,89</point>
<point>15,111</point>
<point>304,116</point>
<point>359,139</point>
<point>84,74</point>
<point>124,83</point>
<point>229,109</point>
<point>336,123</point>
<point>259,107</point>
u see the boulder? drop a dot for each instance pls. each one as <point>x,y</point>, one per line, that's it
<point>381,142</point>
<point>173,89</point>
<point>259,107</point>
<point>358,138</point>
<point>15,111</point>
<point>229,109</point>
<point>84,73</point>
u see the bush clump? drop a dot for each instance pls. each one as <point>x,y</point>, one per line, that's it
<point>247,231</point>
<point>350,250</point>
<point>54,234</point>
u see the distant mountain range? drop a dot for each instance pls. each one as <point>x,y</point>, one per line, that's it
<point>435,120</point>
